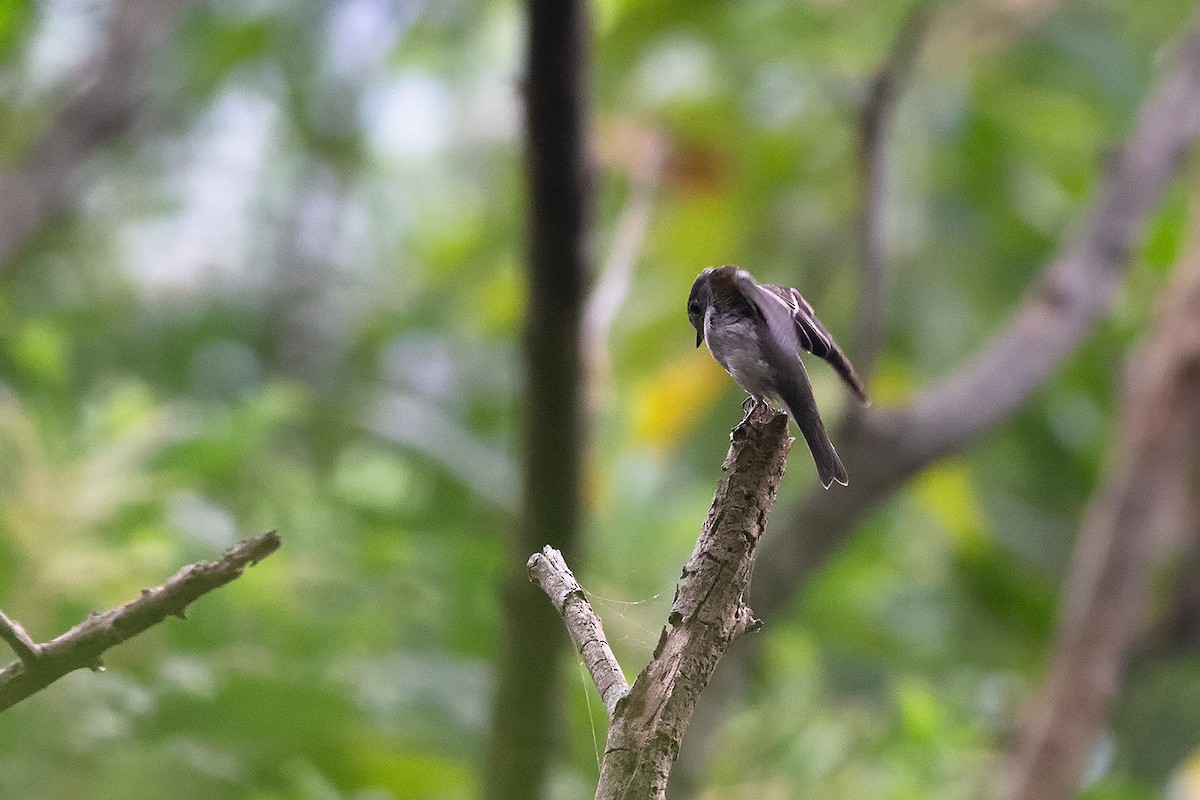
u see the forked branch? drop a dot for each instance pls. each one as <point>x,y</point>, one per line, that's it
<point>647,720</point>
<point>82,646</point>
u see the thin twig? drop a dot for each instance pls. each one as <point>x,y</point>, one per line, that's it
<point>549,570</point>
<point>18,639</point>
<point>83,645</point>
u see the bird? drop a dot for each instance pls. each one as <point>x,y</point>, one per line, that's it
<point>755,331</point>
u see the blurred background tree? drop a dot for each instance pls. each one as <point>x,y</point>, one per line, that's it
<point>262,265</point>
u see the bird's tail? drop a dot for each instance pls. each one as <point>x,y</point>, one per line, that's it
<point>797,396</point>
<point>829,466</point>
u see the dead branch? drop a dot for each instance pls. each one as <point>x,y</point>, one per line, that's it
<point>709,612</point>
<point>16,637</point>
<point>549,570</point>
<point>82,646</point>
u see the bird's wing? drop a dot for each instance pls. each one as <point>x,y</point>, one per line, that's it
<point>791,380</point>
<point>775,310</point>
<point>811,333</point>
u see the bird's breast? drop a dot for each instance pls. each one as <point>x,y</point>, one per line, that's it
<point>733,341</point>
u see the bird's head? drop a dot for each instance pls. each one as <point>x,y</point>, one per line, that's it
<point>699,300</point>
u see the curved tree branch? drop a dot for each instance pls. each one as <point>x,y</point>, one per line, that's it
<point>884,449</point>
<point>1107,586</point>
<point>83,645</point>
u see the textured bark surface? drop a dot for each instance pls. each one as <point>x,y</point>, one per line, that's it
<point>647,721</point>
<point>708,613</point>
<point>549,570</point>
<point>83,645</point>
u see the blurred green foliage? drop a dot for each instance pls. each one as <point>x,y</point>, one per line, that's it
<point>290,297</point>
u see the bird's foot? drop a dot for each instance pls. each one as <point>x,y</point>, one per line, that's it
<point>748,406</point>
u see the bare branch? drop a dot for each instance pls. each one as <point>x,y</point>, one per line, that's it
<point>42,185</point>
<point>878,113</point>
<point>549,571</point>
<point>647,721</point>
<point>83,645</point>
<point>708,613</point>
<point>1078,287</point>
<point>1107,585</point>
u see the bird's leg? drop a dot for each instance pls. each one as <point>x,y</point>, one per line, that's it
<point>748,406</point>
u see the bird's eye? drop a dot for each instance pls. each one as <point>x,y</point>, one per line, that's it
<point>694,309</point>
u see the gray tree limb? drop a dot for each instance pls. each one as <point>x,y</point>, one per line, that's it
<point>549,570</point>
<point>1106,591</point>
<point>883,449</point>
<point>82,646</point>
<point>16,637</point>
<point>647,721</point>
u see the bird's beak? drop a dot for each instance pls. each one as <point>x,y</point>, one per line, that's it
<point>699,336</point>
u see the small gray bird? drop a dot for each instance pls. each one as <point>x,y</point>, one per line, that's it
<point>754,330</point>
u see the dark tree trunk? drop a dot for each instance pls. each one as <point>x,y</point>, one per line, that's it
<point>556,118</point>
